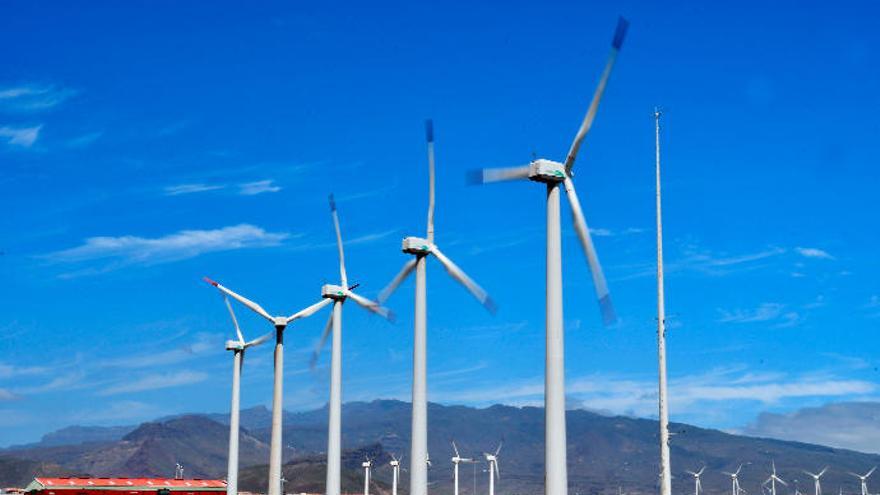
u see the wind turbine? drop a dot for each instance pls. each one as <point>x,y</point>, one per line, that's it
<point>456,460</point>
<point>773,479</point>
<point>395,473</point>
<point>697,486</point>
<point>367,465</point>
<point>338,294</point>
<point>280,323</point>
<point>665,467</point>
<point>734,480</point>
<point>864,479</point>
<point>492,459</point>
<point>817,485</point>
<point>237,347</point>
<point>552,174</point>
<point>422,248</point>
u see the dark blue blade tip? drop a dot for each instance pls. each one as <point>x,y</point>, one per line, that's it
<point>620,33</point>
<point>332,203</point>
<point>607,309</point>
<point>429,130</point>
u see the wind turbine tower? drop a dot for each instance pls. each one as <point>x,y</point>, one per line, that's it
<point>817,485</point>
<point>456,460</point>
<point>395,473</point>
<point>494,472</point>
<point>280,323</point>
<point>421,249</point>
<point>237,347</point>
<point>665,467</point>
<point>367,465</point>
<point>555,175</point>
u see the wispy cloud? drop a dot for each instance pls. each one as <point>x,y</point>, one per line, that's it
<point>84,140</point>
<point>202,345</point>
<point>848,425</point>
<point>181,245</point>
<point>814,253</point>
<point>709,263</point>
<point>602,232</point>
<point>766,312</point>
<point>7,395</point>
<point>179,189</point>
<point>14,370</point>
<point>155,382</point>
<point>258,187</point>
<point>32,98</point>
<point>23,137</point>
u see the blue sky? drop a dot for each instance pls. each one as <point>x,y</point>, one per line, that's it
<point>144,145</point>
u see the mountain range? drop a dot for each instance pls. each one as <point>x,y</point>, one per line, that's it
<point>604,452</point>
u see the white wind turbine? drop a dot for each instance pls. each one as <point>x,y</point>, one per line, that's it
<point>456,460</point>
<point>395,473</point>
<point>734,480</point>
<point>280,323</point>
<point>773,479</point>
<point>553,174</point>
<point>237,347</point>
<point>863,478</point>
<point>494,472</point>
<point>367,465</point>
<point>817,485</point>
<point>338,294</point>
<point>698,487</point>
<point>422,248</point>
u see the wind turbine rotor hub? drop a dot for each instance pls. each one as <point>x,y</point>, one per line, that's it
<point>416,245</point>
<point>335,292</point>
<point>280,322</point>
<point>233,345</point>
<point>546,171</point>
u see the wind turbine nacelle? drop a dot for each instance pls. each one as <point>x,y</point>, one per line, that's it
<point>546,171</point>
<point>233,345</point>
<point>330,291</point>
<point>416,245</point>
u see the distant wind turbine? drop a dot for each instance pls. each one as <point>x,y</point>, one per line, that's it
<point>395,473</point>
<point>773,479</point>
<point>817,485</point>
<point>698,487</point>
<point>237,347</point>
<point>863,478</point>
<point>367,465</point>
<point>494,472</point>
<point>456,460</point>
<point>734,480</point>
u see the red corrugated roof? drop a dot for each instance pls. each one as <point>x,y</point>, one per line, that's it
<point>133,483</point>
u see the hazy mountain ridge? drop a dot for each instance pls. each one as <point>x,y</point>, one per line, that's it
<point>604,452</point>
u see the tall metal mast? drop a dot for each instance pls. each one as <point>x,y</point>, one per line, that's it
<point>665,470</point>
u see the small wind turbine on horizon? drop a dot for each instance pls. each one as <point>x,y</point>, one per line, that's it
<point>395,473</point>
<point>553,174</point>
<point>280,323</point>
<point>456,460</point>
<point>494,472</point>
<point>773,479</point>
<point>421,249</point>
<point>237,347</point>
<point>817,485</point>
<point>338,294</point>
<point>367,465</point>
<point>863,478</point>
<point>698,487</point>
<point>734,480</point>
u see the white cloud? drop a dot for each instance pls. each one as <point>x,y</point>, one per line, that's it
<point>13,371</point>
<point>31,98</point>
<point>848,425</point>
<point>764,312</point>
<point>202,345</point>
<point>181,245</point>
<point>191,188</point>
<point>24,137</point>
<point>814,253</point>
<point>7,395</point>
<point>84,140</point>
<point>155,382</point>
<point>258,187</point>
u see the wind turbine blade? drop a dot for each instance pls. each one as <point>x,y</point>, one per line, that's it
<point>739,469</point>
<point>335,215</point>
<point>234,320</point>
<point>701,470</point>
<point>487,175</point>
<point>583,232</point>
<point>497,469</point>
<point>429,137</point>
<point>247,302</point>
<point>871,471</point>
<point>822,471</point>
<point>309,311</point>
<point>320,346</point>
<point>259,340</point>
<point>617,41</point>
<point>781,481</point>
<point>396,281</point>
<point>455,449</point>
<point>691,473</point>
<point>370,305</point>
<point>462,278</point>
<point>498,450</point>
<point>854,474</point>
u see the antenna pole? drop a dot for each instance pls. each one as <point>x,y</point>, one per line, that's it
<point>665,469</point>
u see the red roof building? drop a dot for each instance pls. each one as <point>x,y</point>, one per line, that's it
<point>124,486</point>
